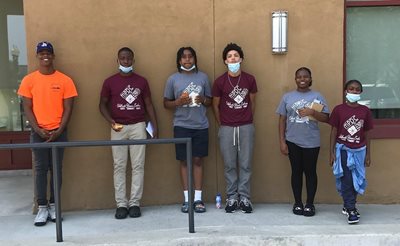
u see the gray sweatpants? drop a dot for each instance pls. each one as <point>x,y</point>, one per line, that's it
<point>236,144</point>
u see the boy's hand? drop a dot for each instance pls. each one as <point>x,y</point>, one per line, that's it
<point>184,99</point>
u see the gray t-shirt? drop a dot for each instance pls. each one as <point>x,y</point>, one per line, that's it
<point>188,116</point>
<point>301,130</point>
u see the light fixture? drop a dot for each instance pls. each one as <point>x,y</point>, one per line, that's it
<point>279,32</point>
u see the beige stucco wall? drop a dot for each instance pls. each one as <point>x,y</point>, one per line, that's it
<point>87,34</point>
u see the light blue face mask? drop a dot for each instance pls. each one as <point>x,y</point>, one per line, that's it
<point>188,69</point>
<point>125,69</point>
<point>353,97</point>
<point>234,67</point>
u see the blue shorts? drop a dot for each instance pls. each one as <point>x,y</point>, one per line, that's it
<point>199,142</point>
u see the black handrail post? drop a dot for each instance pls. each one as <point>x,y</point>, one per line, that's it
<point>57,199</point>
<point>190,183</point>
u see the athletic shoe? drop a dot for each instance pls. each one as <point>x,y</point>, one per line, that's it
<point>298,209</point>
<point>309,210</point>
<point>42,216</point>
<point>134,212</point>
<point>185,207</point>
<point>121,213</point>
<point>52,212</point>
<point>231,205</point>
<point>344,211</point>
<point>245,205</point>
<point>352,217</point>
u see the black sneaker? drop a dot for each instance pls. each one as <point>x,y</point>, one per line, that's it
<point>134,212</point>
<point>298,209</point>
<point>352,216</point>
<point>309,210</point>
<point>344,211</point>
<point>231,205</point>
<point>121,213</point>
<point>245,205</point>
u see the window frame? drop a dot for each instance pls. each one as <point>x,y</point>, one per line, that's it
<point>383,128</point>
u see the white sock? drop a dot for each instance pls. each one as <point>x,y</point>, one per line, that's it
<point>186,195</point>
<point>197,195</point>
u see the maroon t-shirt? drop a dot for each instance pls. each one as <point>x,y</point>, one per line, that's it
<point>126,96</point>
<point>234,94</point>
<point>351,124</point>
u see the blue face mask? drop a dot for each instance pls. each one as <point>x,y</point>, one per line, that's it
<point>188,69</point>
<point>234,67</point>
<point>353,97</point>
<point>125,69</point>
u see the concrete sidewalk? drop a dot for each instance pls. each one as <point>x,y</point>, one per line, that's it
<point>270,224</point>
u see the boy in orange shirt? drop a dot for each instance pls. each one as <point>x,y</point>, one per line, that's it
<point>48,97</point>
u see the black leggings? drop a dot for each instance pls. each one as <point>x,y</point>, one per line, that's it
<point>303,160</point>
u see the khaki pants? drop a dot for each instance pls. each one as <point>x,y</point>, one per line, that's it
<point>120,156</point>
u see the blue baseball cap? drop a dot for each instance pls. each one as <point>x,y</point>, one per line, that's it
<point>44,46</point>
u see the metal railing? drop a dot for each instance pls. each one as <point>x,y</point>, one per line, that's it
<point>55,145</point>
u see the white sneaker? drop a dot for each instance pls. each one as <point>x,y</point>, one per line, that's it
<point>42,216</point>
<point>52,212</point>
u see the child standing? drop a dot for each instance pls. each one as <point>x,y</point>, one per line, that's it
<point>300,138</point>
<point>350,148</point>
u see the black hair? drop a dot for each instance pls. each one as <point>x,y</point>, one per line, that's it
<point>352,81</point>
<point>232,46</point>
<point>179,55</point>
<point>126,49</point>
<point>304,69</point>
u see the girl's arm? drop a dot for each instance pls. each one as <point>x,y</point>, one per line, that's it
<point>332,143</point>
<point>368,156</point>
<point>282,139</point>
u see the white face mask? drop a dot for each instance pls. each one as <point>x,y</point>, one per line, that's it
<point>353,97</point>
<point>234,67</point>
<point>188,69</point>
<point>125,69</point>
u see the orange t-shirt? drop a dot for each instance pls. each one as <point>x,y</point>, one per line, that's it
<point>47,93</point>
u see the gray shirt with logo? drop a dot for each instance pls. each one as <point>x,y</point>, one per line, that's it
<point>189,116</point>
<point>301,131</point>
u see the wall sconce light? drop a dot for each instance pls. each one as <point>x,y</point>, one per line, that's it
<point>279,32</point>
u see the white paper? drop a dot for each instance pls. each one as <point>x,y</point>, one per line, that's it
<point>193,96</point>
<point>149,129</point>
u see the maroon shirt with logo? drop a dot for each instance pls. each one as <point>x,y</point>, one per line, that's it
<point>126,96</point>
<point>351,124</point>
<point>234,94</point>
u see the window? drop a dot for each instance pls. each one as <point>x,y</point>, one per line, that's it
<point>372,56</point>
<point>13,65</point>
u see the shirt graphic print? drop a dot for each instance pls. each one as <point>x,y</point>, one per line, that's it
<point>352,126</point>
<point>296,106</point>
<point>192,90</point>
<point>238,95</point>
<point>129,94</point>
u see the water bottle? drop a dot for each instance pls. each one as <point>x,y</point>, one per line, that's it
<point>218,201</point>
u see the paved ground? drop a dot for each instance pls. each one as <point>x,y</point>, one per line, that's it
<point>270,224</point>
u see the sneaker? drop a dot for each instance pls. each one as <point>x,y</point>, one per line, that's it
<point>52,212</point>
<point>185,207</point>
<point>309,210</point>
<point>231,205</point>
<point>134,212</point>
<point>245,205</point>
<point>298,209</point>
<point>352,217</point>
<point>121,213</point>
<point>42,216</point>
<point>199,207</point>
<point>344,211</point>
